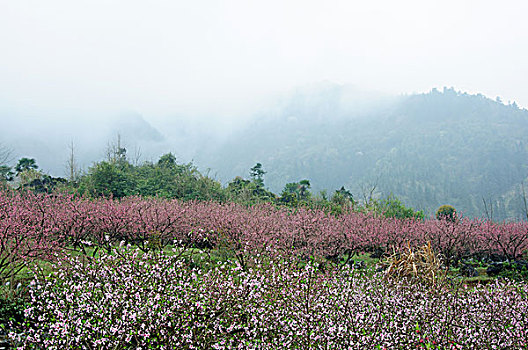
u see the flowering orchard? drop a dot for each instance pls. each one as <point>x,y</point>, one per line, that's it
<point>147,301</point>
<point>37,226</point>
<point>125,292</point>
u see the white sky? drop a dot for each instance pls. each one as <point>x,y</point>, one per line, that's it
<point>158,57</point>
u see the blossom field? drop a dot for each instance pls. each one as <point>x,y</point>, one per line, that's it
<point>142,276</point>
<point>158,301</point>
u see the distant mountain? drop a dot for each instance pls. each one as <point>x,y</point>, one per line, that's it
<point>47,137</point>
<point>132,126</point>
<point>442,147</point>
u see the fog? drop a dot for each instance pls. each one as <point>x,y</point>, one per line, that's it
<point>181,76</point>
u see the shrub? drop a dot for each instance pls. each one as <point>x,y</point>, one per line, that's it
<point>446,212</point>
<point>392,207</point>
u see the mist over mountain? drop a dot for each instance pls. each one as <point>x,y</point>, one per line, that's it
<point>441,147</point>
<point>48,134</point>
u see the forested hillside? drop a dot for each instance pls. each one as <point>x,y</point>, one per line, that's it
<point>427,149</point>
<point>442,147</point>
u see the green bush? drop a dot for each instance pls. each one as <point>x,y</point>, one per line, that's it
<point>446,212</point>
<point>392,207</point>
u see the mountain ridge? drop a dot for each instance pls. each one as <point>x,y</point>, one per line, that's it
<point>429,149</point>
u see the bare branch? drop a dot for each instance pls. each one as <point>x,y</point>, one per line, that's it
<point>71,164</point>
<point>136,158</point>
<point>488,208</point>
<point>368,191</point>
<point>115,152</point>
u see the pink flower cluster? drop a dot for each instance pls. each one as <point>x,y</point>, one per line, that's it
<point>145,301</point>
<point>27,226</point>
<point>34,226</point>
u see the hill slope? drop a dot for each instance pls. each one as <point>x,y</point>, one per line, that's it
<point>428,149</point>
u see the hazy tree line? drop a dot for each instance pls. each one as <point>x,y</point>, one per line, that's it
<point>117,177</point>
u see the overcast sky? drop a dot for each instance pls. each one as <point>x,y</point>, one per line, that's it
<point>160,57</point>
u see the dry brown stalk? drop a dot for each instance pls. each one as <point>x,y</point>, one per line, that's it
<point>421,264</point>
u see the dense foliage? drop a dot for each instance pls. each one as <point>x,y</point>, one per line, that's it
<point>166,178</point>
